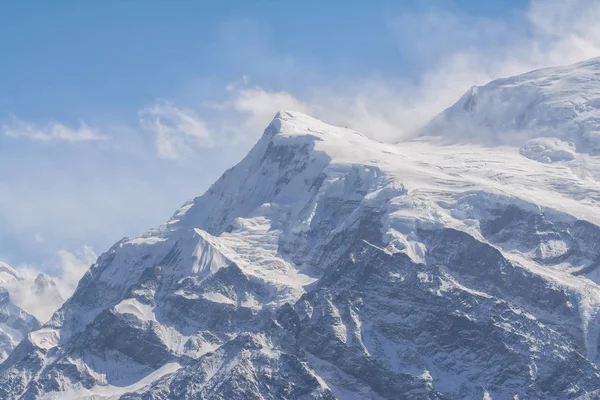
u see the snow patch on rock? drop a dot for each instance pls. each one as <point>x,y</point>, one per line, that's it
<point>143,312</point>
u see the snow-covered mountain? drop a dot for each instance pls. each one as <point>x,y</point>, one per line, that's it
<point>15,323</point>
<point>557,108</point>
<point>329,266</point>
<point>34,292</point>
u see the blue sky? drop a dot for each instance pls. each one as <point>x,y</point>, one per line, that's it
<point>101,60</point>
<point>112,114</point>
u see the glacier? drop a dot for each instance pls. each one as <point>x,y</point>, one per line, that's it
<point>326,265</point>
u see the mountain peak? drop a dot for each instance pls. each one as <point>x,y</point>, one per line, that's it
<point>557,102</point>
<point>294,146</point>
<point>294,123</point>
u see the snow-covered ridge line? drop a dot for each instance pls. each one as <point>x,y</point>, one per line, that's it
<point>325,265</point>
<point>560,102</point>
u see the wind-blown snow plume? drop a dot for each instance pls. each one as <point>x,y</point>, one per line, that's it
<point>454,52</point>
<point>177,130</point>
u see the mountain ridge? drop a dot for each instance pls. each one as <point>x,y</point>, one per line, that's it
<point>558,102</point>
<point>325,265</point>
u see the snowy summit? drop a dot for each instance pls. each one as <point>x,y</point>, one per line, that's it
<point>459,265</point>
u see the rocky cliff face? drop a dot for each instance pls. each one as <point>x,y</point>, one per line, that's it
<point>328,266</point>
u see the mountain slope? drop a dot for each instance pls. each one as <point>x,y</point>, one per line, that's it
<point>325,265</point>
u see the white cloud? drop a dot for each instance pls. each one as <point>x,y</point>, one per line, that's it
<point>52,132</point>
<point>565,31</point>
<point>40,294</point>
<point>178,131</point>
<point>72,266</point>
<point>258,106</point>
<point>368,107</point>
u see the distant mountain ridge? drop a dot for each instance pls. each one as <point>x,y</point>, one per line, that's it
<point>15,323</point>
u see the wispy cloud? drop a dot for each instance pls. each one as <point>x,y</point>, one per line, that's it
<point>256,104</point>
<point>178,131</point>
<point>51,132</point>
